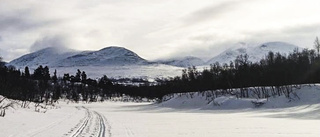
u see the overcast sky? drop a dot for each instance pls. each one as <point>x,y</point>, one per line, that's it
<point>154,28</point>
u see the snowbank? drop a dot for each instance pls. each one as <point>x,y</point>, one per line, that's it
<point>306,95</point>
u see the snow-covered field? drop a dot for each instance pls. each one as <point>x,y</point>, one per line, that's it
<point>177,117</point>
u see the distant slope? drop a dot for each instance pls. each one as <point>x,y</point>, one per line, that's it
<point>106,56</point>
<point>255,52</point>
<point>56,58</point>
<point>48,56</point>
<point>183,62</point>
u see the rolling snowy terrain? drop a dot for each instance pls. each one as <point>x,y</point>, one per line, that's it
<point>180,116</point>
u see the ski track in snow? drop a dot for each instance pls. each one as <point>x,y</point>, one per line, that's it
<point>93,124</point>
<point>129,132</point>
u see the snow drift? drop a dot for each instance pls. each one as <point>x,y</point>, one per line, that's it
<point>304,95</point>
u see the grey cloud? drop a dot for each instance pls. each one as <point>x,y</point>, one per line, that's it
<point>293,33</point>
<point>9,54</point>
<point>49,41</point>
<point>212,11</point>
<point>21,20</point>
<point>15,20</point>
<point>0,38</point>
<point>312,28</point>
<point>1,52</point>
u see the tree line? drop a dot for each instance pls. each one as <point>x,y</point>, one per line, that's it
<point>276,73</point>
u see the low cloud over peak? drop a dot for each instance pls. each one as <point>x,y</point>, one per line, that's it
<point>56,41</point>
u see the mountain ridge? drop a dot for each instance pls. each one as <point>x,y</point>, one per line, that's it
<point>53,57</point>
<point>119,56</point>
<point>256,52</point>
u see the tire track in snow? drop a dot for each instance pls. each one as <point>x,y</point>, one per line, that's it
<point>129,132</point>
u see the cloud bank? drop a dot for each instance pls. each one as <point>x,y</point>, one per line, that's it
<point>154,29</point>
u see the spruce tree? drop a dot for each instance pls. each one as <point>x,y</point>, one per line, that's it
<point>317,45</point>
<point>27,72</point>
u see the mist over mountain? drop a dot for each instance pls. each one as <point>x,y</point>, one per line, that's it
<point>183,62</point>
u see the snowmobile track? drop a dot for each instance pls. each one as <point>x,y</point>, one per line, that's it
<point>93,124</point>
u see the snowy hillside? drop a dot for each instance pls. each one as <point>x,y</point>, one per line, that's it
<point>55,58</point>
<point>107,56</point>
<point>183,62</point>
<point>46,57</point>
<point>255,51</point>
<point>115,62</point>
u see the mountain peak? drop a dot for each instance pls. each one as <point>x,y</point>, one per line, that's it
<point>113,48</point>
<point>255,51</point>
<point>54,57</point>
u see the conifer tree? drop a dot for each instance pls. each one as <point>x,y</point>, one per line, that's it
<point>317,45</point>
<point>27,72</point>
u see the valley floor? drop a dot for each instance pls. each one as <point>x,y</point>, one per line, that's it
<point>149,120</point>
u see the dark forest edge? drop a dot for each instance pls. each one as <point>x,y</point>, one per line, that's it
<point>274,75</point>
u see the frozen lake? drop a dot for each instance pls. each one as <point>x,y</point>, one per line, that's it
<point>119,119</point>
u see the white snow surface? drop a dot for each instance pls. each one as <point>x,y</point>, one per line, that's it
<point>180,116</point>
<point>256,52</point>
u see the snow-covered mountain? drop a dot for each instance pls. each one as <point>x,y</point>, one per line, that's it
<point>48,56</point>
<point>256,52</point>
<point>104,57</point>
<point>56,58</point>
<point>183,62</point>
<point>119,56</point>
